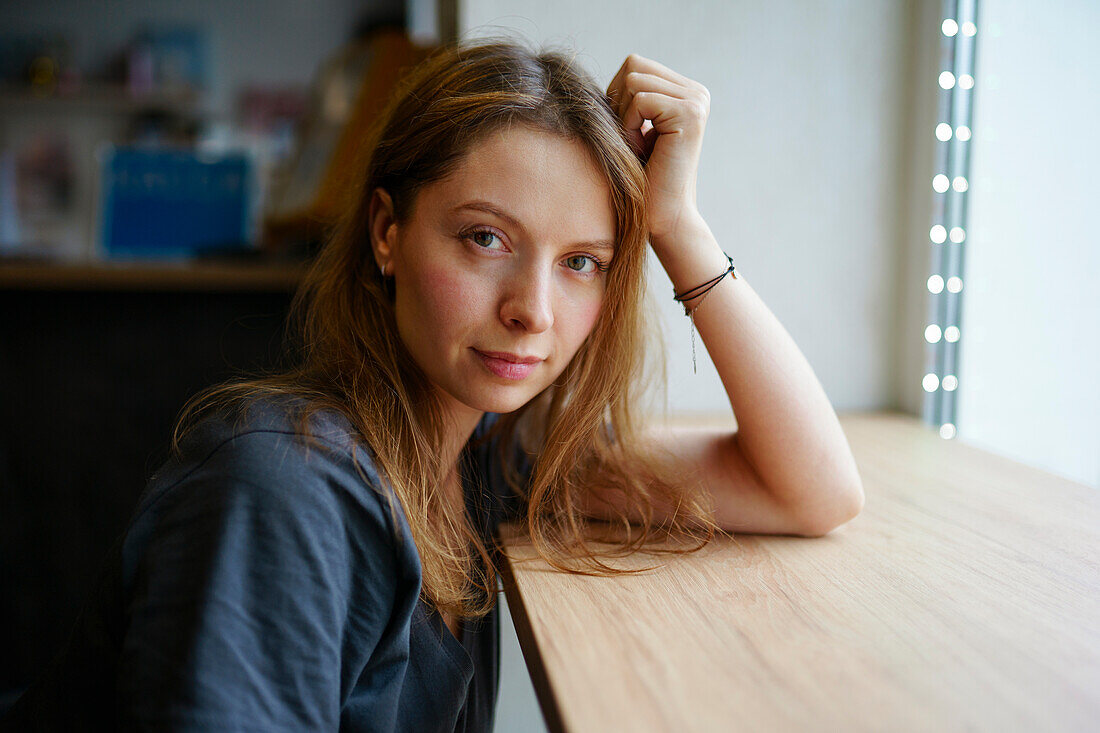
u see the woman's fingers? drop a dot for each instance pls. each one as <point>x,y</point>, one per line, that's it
<point>663,115</point>
<point>639,81</point>
<point>634,62</point>
<point>668,114</point>
<point>646,69</point>
<point>652,100</point>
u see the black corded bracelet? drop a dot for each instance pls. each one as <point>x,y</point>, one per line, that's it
<point>700,292</point>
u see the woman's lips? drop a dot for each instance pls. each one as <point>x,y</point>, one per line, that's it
<point>508,366</point>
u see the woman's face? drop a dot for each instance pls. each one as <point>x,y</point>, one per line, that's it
<point>500,271</point>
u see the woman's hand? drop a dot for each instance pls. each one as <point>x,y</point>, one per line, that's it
<point>664,114</point>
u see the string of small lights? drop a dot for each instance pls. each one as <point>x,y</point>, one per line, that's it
<point>949,204</point>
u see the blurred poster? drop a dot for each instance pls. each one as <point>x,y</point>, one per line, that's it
<point>174,204</point>
<point>37,194</point>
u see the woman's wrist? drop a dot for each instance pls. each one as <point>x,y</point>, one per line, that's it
<point>690,254</point>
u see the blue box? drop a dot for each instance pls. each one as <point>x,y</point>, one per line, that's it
<point>173,204</point>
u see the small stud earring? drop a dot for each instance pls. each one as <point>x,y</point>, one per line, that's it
<point>383,270</point>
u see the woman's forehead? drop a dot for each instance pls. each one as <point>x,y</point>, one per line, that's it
<point>534,178</point>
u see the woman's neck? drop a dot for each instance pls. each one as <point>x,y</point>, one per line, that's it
<point>460,423</point>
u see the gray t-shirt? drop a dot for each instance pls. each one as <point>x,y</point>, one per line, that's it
<point>261,586</point>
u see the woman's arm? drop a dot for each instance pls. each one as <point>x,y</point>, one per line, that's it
<point>788,468</point>
<point>789,464</point>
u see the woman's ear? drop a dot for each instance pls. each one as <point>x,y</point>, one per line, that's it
<point>383,229</point>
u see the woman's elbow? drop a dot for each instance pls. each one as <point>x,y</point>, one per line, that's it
<point>848,509</point>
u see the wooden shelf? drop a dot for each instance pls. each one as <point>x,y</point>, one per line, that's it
<point>152,276</point>
<point>101,98</point>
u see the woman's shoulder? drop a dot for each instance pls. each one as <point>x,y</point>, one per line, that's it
<point>258,550</point>
<point>262,451</point>
<point>253,430</point>
<point>273,415</point>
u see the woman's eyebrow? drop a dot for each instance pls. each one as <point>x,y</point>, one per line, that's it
<point>490,208</point>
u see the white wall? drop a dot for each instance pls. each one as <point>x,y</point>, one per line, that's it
<point>801,163</point>
<point>1029,383</point>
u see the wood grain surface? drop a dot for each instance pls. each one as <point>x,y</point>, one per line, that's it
<point>965,597</point>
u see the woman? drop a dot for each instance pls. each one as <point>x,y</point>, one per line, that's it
<point>472,341</point>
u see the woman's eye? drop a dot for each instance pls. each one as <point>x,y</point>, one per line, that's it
<point>582,263</point>
<point>483,238</point>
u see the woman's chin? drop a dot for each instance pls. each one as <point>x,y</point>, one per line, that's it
<point>504,403</point>
<point>498,399</point>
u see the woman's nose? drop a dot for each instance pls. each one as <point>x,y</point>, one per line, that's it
<point>528,302</point>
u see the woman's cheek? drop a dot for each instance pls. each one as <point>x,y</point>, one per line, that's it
<point>584,314</point>
<point>448,293</point>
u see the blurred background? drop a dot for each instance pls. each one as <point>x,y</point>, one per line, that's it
<point>907,184</point>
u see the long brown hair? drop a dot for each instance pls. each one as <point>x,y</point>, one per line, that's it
<point>581,431</point>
